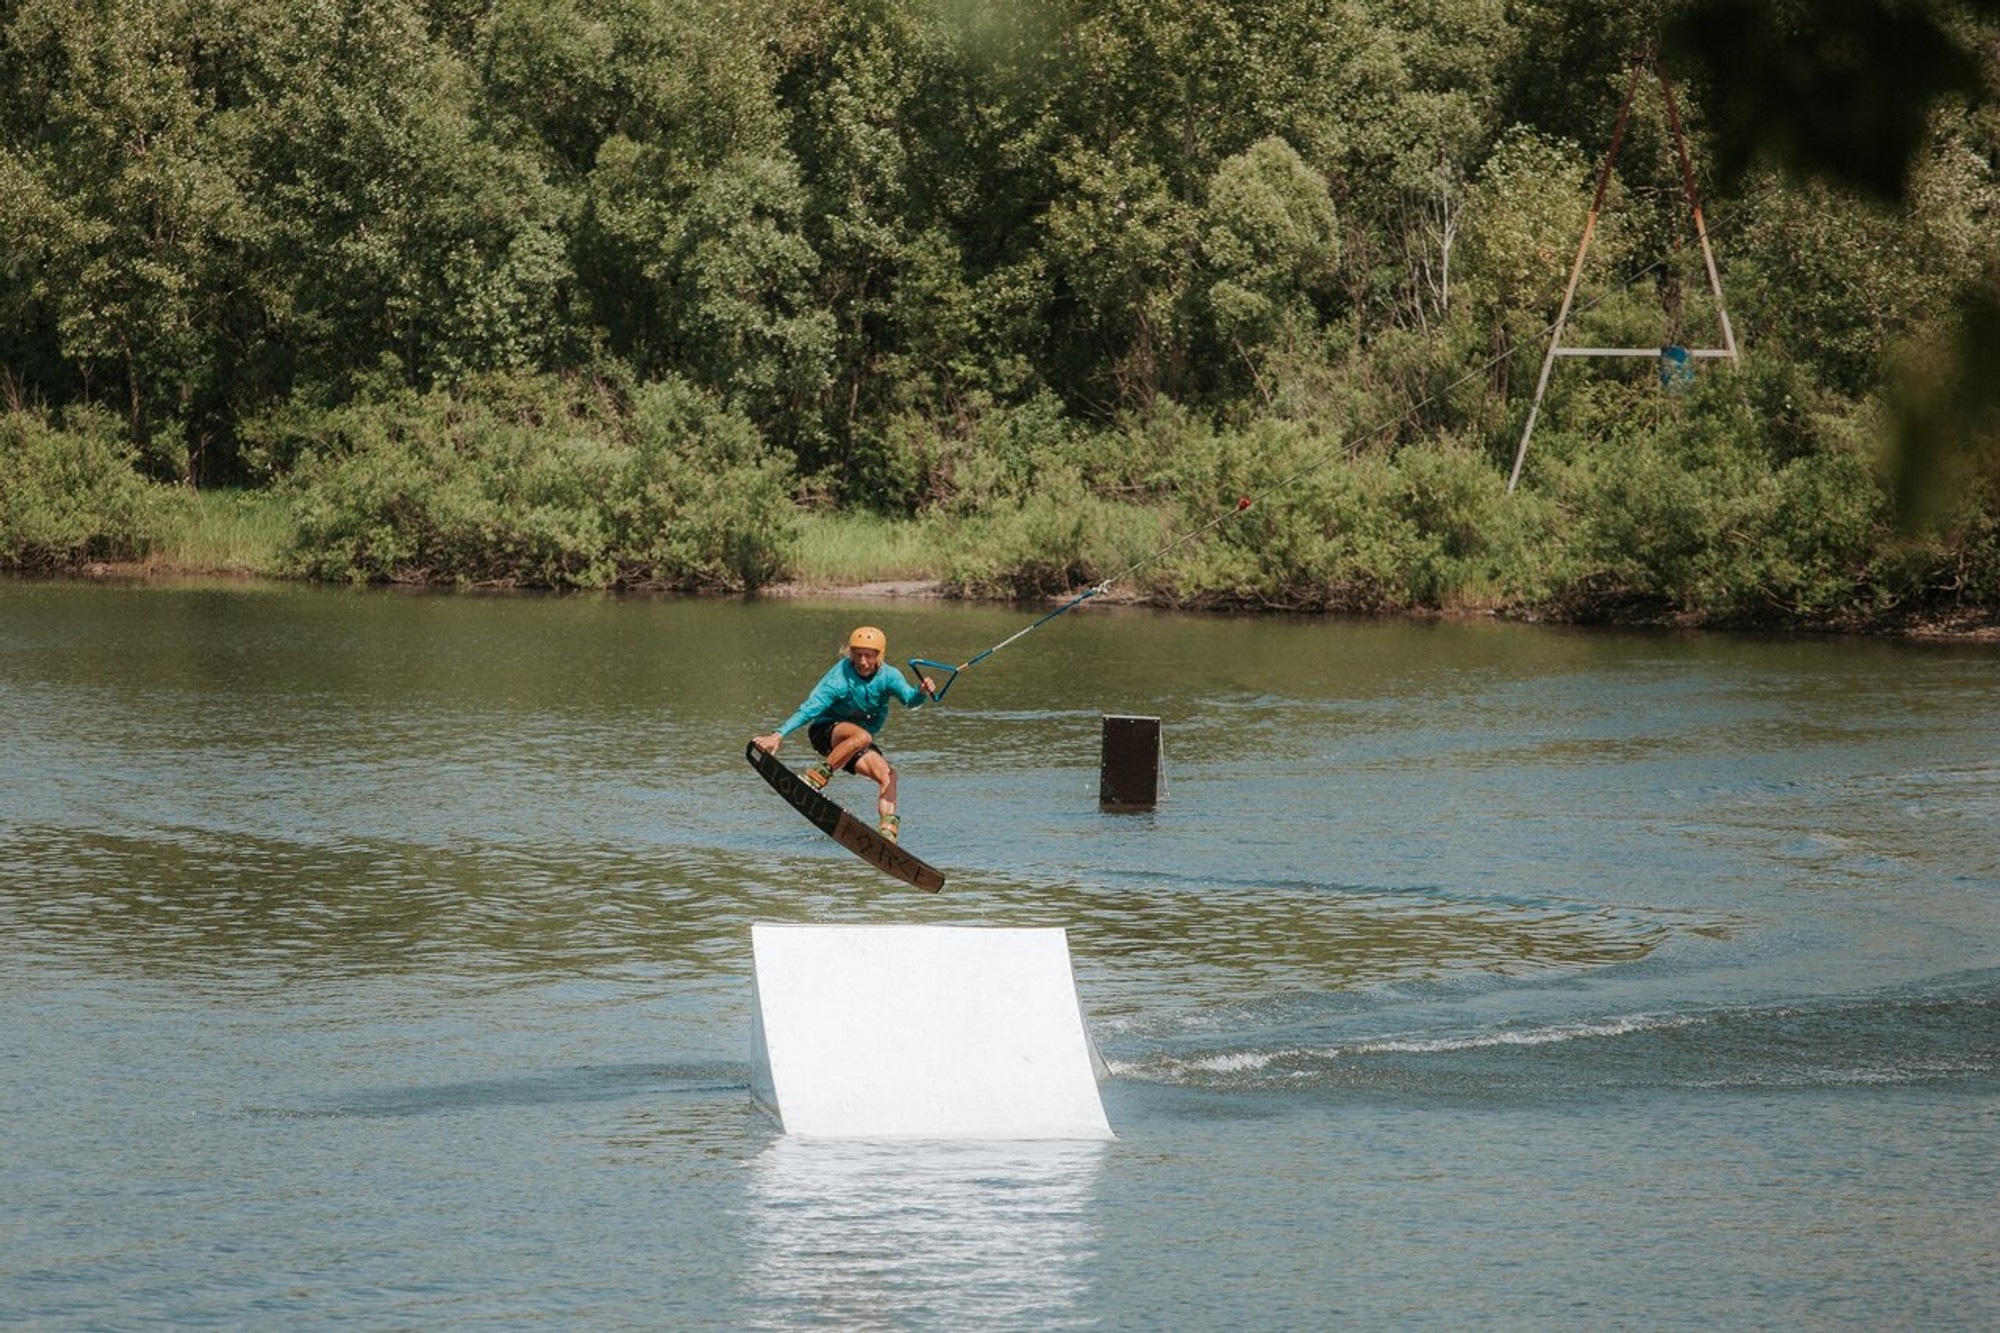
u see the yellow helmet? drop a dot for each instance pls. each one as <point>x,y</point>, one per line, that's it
<point>869,637</point>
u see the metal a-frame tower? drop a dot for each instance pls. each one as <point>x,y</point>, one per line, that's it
<point>1647,61</point>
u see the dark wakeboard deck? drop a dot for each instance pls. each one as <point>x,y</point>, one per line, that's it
<point>842,827</point>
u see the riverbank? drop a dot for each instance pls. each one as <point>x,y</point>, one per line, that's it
<point>162,568</point>
<point>254,534</point>
<point>674,495</point>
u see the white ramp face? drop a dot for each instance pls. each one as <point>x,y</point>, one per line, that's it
<point>932,1032</point>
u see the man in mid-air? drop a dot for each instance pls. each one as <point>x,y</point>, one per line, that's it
<point>846,712</point>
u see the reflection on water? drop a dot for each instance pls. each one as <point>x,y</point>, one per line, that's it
<point>188,900</point>
<point>872,1234</point>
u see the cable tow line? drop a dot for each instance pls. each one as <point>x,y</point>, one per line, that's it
<point>977,658</point>
<point>1099,589</point>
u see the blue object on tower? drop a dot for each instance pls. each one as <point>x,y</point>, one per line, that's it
<point>1676,367</point>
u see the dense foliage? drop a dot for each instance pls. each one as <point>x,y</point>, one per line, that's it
<point>70,492</point>
<point>587,292</point>
<point>528,484</point>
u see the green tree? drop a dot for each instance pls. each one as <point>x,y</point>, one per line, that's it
<point>691,243</point>
<point>1523,219</point>
<point>404,228</point>
<point>1122,245</point>
<point>125,234</point>
<point>1269,248</point>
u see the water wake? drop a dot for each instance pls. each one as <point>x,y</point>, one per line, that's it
<point>1945,1033</point>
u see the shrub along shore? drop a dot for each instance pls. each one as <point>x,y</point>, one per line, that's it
<point>563,484</point>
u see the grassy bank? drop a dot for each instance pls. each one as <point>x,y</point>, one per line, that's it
<point>842,550</point>
<point>254,533</point>
<point>225,531</point>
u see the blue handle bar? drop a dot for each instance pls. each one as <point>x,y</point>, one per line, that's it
<point>917,664</point>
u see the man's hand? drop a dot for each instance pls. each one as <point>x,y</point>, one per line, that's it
<point>768,744</point>
<point>928,686</point>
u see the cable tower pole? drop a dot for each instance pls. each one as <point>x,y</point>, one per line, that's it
<point>1644,62</point>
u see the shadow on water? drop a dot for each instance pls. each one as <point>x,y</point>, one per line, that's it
<point>557,1087</point>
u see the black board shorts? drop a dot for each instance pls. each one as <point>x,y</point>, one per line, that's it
<point>821,736</point>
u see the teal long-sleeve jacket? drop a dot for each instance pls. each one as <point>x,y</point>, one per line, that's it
<point>843,696</point>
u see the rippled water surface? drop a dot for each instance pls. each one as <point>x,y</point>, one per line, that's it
<point>383,959</point>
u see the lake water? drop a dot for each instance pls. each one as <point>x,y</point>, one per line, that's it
<point>382,959</point>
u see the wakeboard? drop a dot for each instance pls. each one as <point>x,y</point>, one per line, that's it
<point>842,827</point>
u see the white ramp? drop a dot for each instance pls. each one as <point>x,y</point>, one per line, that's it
<point>933,1032</point>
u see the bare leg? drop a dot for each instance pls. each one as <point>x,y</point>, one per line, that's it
<point>848,741</point>
<point>876,767</point>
